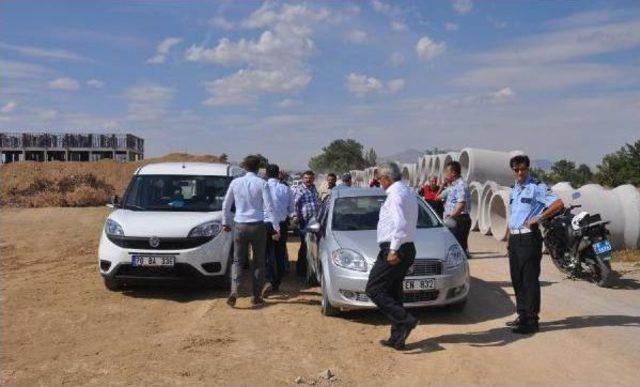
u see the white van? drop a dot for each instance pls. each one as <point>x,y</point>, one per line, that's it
<point>168,226</point>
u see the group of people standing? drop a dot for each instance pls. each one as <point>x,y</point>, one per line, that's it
<point>261,217</point>
<point>260,212</point>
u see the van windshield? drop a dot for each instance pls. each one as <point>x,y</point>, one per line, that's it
<point>362,212</point>
<point>176,193</point>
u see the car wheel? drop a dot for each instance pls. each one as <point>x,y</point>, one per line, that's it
<point>457,306</point>
<point>326,307</point>
<point>112,284</point>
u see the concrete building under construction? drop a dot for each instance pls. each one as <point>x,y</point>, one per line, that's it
<point>69,147</point>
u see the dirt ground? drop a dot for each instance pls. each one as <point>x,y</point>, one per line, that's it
<point>61,326</point>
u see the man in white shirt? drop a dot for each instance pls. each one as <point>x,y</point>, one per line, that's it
<point>396,231</point>
<point>282,208</point>
<point>252,201</point>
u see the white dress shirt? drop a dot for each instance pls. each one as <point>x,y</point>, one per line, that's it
<point>282,201</point>
<point>252,199</point>
<point>398,216</point>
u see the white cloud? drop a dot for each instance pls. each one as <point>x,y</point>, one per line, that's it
<point>357,36</point>
<point>395,85</point>
<point>95,83</point>
<point>398,26</point>
<point>287,103</point>
<point>244,86</point>
<point>221,23</point>
<point>46,53</point>
<point>22,70</point>
<point>163,50</point>
<point>48,114</point>
<point>68,84</point>
<point>462,6</point>
<point>449,26</point>
<point>396,59</point>
<point>428,49</point>
<point>148,101</point>
<point>276,62</point>
<point>361,85</point>
<point>9,107</point>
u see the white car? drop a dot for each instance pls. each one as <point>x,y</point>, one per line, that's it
<point>168,226</point>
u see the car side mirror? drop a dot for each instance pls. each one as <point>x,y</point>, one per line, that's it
<point>313,226</point>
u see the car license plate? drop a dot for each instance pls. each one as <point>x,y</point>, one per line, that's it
<point>419,284</point>
<point>602,247</point>
<point>151,260</point>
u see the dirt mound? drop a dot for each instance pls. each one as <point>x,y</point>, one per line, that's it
<point>73,184</point>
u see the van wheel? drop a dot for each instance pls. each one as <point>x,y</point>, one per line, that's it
<point>111,284</point>
<point>326,308</point>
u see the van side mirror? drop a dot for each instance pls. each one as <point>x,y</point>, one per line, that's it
<point>313,226</point>
<point>114,202</point>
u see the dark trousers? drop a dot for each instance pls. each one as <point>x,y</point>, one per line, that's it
<point>525,254</point>
<point>437,206</point>
<point>276,255</point>
<point>301,264</point>
<point>461,230</point>
<point>385,286</point>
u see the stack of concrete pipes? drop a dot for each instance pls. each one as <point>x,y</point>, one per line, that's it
<point>490,177</point>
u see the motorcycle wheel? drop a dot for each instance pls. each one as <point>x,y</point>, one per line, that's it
<point>559,262</point>
<point>601,273</point>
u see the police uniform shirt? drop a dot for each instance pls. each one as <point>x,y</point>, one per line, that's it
<point>458,192</point>
<point>527,201</point>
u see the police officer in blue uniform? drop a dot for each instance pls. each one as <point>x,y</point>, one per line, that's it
<point>531,202</point>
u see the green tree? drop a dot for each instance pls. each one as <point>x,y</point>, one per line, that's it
<point>621,167</point>
<point>224,157</point>
<point>371,158</point>
<point>339,156</point>
<point>583,175</point>
<point>563,170</point>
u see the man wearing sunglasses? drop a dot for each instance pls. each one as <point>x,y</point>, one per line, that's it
<point>531,202</point>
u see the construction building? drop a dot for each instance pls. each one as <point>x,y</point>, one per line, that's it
<point>69,147</point>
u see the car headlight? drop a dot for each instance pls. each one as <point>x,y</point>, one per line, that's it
<point>208,229</point>
<point>455,255</point>
<point>349,259</point>
<point>111,227</point>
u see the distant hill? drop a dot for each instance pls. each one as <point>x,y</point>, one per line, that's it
<point>543,164</point>
<point>407,156</point>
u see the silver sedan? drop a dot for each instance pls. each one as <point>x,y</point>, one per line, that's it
<point>342,249</point>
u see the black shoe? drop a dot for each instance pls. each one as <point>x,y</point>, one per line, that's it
<point>266,290</point>
<point>257,300</point>
<point>513,323</point>
<point>525,329</point>
<point>406,331</point>
<point>388,343</point>
<point>231,301</point>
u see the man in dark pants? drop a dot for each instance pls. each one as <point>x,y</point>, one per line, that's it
<point>306,205</point>
<point>395,233</point>
<point>531,202</point>
<point>457,205</point>
<point>282,208</point>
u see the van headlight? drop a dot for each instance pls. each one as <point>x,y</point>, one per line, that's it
<point>112,228</point>
<point>349,259</point>
<point>455,256</point>
<point>208,229</point>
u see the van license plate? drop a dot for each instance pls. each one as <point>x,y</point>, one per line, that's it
<point>419,284</point>
<point>148,260</point>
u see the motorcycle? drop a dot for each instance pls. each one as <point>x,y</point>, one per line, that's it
<point>579,245</point>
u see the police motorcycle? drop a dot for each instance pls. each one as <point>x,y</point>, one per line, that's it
<point>579,244</point>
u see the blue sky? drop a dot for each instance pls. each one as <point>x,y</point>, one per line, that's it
<point>555,79</point>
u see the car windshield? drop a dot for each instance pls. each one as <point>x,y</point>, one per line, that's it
<point>361,213</point>
<point>176,193</point>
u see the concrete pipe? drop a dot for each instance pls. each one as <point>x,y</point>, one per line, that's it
<point>431,167</point>
<point>499,213</point>
<point>438,166</point>
<point>595,199</point>
<point>404,168</point>
<point>475,191</point>
<point>629,198</point>
<point>488,189</point>
<point>451,156</point>
<point>424,169</point>
<point>485,165</point>
<point>564,190</point>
